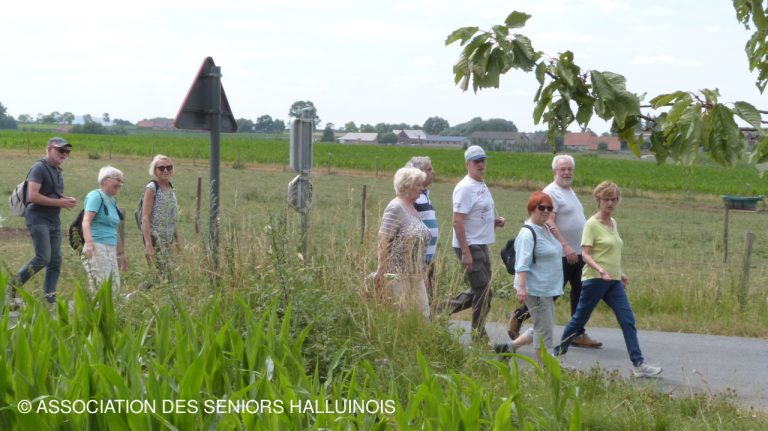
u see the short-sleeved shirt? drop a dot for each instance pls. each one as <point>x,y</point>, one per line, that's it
<point>163,218</point>
<point>606,248</point>
<point>473,199</point>
<point>429,218</point>
<point>104,224</point>
<point>569,214</point>
<point>407,236</point>
<point>545,277</point>
<point>52,186</point>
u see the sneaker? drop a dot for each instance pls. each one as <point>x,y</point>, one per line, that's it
<point>584,340</point>
<point>15,303</point>
<point>645,370</point>
<point>513,326</point>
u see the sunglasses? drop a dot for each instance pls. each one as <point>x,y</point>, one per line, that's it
<point>63,150</point>
<point>167,168</point>
<point>543,208</point>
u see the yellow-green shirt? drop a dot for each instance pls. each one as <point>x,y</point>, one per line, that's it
<point>606,248</point>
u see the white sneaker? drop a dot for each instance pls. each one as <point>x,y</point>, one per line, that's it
<point>645,370</point>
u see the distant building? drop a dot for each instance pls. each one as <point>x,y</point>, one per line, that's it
<point>419,137</point>
<point>501,141</point>
<point>158,124</point>
<point>446,141</point>
<point>590,141</point>
<point>359,138</point>
<point>410,137</point>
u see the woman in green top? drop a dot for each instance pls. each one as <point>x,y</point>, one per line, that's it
<point>602,278</point>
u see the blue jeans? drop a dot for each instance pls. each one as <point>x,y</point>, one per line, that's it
<point>46,239</point>
<point>614,294</point>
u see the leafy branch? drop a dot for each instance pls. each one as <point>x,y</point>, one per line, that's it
<point>567,94</point>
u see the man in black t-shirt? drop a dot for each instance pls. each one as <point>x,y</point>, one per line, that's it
<point>45,197</point>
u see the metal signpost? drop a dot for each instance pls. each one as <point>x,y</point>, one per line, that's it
<point>300,188</point>
<point>206,108</point>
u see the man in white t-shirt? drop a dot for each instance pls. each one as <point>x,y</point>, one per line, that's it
<point>567,222</point>
<point>474,224</point>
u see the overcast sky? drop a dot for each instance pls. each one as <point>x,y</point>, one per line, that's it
<point>357,60</point>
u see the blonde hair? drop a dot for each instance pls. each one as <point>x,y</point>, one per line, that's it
<point>155,161</point>
<point>405,178</point>
<point>604,189</point>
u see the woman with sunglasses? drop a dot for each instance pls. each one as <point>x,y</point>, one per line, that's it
<point>158,218</point>
<point>103,255</point>
<point>603,279</point>
<point>538,273</point>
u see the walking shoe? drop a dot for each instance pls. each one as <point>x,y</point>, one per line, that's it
<point>15,303</point>
<point>583,340</point>
<point>513,325</point>
<point>645,370</point>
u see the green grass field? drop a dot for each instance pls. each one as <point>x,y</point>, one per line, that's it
<point>334,343</point>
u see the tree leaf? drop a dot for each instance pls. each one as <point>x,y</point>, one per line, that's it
<point>748,113</point>
<point>516,19</point>
<point>500,32</point>
<point>463,34</point>
<point>664,99</point>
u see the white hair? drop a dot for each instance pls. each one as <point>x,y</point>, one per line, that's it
<point>559,157</point>
<point>405,178</point>
<point>109,172</point>
<point>418,162</point>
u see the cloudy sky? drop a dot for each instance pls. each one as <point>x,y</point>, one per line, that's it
<point>358,60</point>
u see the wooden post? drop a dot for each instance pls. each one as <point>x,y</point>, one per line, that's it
<point>329,163</point>
<point>110,151</point>
<point>744,285</point>
<point>725,234</point>
<point>197,204</point>
<point>377,166</point>
<point>362,214</point>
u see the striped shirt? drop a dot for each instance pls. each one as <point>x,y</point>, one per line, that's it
<point>429,218</point>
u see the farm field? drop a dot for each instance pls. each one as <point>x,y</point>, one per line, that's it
<point>673,256</point>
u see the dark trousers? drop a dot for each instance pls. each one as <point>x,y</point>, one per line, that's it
<point>572,275</point>
<point>479,294</point>
<point>46,238</point>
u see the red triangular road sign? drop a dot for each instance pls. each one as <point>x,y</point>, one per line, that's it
<point>195,111</point>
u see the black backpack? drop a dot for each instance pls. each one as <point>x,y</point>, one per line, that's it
<point>508,253</point>
<point>76,239</point>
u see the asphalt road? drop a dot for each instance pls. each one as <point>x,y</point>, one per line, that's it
<point>693,363</point>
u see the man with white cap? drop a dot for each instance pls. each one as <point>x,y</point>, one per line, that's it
<point>45,194</point>
<point>474,224</point>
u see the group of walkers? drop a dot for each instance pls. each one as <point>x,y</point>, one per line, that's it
<point>103,255</point>
<point>557,245</point>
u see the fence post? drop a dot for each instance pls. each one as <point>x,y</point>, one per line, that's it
<point>725,234</point>
<point>362,214</point>
<point>197,204</point>
<point>744,284</point>
<point>377,166</point>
